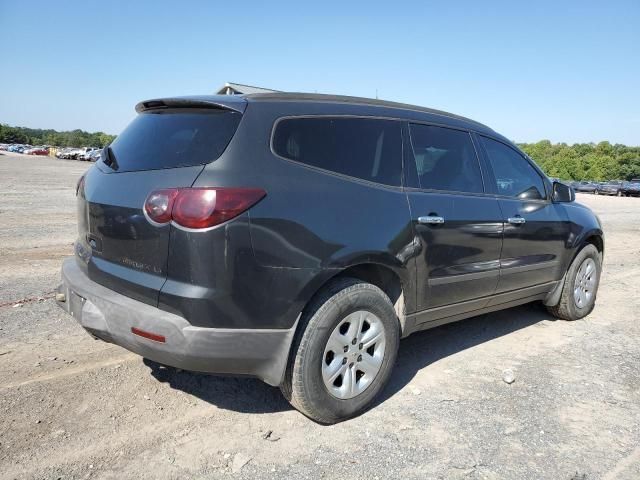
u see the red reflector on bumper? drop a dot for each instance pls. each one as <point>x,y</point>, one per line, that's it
<point>151,336</point>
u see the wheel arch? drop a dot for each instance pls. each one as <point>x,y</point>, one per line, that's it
<point>396,285</point>
<point>593,237</point>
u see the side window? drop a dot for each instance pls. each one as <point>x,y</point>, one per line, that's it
<point>366,148</point>
<point>445,159</point>
<point>515,177</point>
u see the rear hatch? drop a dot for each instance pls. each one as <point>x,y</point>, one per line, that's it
<point>165,146</point>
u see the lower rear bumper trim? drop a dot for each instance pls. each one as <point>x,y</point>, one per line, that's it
<point>110,316</point>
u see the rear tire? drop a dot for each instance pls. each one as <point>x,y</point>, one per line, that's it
<point>581,283</point>
<point>322,352</point>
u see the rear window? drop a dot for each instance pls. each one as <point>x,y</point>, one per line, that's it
<point>366,148</point>
<point>174,138</point>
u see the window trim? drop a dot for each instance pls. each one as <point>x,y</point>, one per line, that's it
<point>334,173</point>
<point>484,193</point>
<point>535,168</point>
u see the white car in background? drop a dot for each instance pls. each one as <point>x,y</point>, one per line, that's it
<point>93,155</point>
<point>84,153</point>
<point>63,152</point>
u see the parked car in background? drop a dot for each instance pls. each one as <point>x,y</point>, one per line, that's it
<point>90,155</point>
<point>631,189</point>
<point>73,154</point>
<point>613,187</point>
<point>81,153</point>
<point>585,187</point>
<point>63,152</point>
<point>93,155</point>
<point>39,151</point>
<point>19,148</point>
<point>16,148</point>
<point>36,151</point>
<point>205,242</point>
<point>4,146</point>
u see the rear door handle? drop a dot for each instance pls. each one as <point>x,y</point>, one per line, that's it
<point>431,220</point>
<point>517,220</point>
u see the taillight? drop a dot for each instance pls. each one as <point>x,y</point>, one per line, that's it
<point>159,204</point>
<point>199,208</point>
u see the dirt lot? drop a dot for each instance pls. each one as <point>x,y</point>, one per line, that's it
<point>72,407</point>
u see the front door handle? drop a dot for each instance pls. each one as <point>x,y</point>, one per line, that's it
<point>517,220</point>
<point>431,220</point>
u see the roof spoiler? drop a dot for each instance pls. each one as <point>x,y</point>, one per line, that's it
<point>224,102</point>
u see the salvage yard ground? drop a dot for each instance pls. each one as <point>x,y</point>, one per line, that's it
<point>72,407</point>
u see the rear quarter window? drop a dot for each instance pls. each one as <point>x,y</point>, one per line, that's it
<point>174,138</point>
<point>365,148</point>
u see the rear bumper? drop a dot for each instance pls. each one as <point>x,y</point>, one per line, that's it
<point>110,316</point>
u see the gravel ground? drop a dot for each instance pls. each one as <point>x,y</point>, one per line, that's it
<point>72,407</point>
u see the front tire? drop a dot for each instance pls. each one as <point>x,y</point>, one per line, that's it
<point>344,351</point>
<point>581,283</point>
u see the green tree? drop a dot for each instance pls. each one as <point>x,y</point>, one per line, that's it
<point>585,161</point>
<point>36,136</point>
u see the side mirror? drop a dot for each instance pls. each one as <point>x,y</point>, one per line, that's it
<point>563,193</point>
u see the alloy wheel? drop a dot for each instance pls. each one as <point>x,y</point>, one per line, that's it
<point>585,283</point>
<point>353,355</point>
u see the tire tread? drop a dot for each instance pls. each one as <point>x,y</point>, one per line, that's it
<point>293,385</point>
<point>564,309</point>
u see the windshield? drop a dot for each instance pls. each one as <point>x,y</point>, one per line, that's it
<point>173,138</point>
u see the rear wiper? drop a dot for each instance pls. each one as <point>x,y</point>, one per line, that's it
<point>110,161</point>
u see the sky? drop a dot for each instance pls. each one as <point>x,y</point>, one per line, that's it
<point>567,71</point>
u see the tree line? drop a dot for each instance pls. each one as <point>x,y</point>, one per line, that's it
<point>585,161</point>
<point>38,136</point>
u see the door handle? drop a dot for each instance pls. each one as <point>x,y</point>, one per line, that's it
<point>431,220</point>
<point>517,220</point>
